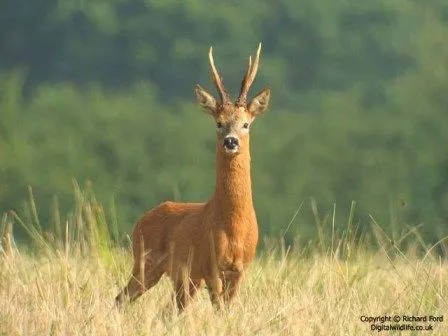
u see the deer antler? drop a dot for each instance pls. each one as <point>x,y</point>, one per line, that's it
<point>249,78</point>
<point>225,98</point>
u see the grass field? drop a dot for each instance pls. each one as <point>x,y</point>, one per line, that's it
<point>67,286</point>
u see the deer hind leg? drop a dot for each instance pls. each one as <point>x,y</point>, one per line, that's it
<point>143,278</point>
<point>132,290</point>
<point>185,291</point>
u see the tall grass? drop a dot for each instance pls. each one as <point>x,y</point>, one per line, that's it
<point>65,283</point>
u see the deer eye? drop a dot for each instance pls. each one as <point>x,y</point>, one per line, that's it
<point>218,125</point>
<point>246,125</point>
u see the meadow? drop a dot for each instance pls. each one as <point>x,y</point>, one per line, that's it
<point>65,281</point>
<point>93,90</point>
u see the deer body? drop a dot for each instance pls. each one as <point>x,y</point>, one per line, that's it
<point>212,242</point>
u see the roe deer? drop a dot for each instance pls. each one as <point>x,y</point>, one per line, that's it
<point>211,242</point>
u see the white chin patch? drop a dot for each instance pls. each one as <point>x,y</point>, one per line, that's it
<point>231,151</point>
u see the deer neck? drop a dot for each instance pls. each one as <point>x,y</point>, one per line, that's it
<point>233,191</point>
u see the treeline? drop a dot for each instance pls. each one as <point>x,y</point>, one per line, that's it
<point>103,92</point>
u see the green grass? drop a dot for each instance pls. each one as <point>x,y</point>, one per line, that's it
<point>66,282</point>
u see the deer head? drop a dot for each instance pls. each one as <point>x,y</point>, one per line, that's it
<point>233,119</point>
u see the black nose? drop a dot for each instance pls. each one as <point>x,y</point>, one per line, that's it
<point>230,143</point>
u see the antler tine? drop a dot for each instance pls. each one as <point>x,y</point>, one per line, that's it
<point>249,77</point>
<point>217,79</point>
<point>248,69</point>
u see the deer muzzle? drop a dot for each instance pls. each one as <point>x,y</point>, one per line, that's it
<point>231,144</point>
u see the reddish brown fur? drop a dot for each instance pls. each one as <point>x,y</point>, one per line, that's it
<point>212,242</point>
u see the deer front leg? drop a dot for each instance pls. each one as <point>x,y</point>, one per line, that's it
<point>215,290</point>
<point>232,281</point>
<point>232,278</point>
<point>222,289</point>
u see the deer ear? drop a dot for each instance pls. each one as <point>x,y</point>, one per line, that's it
<point>205,100</point>
<point>260,102</point>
